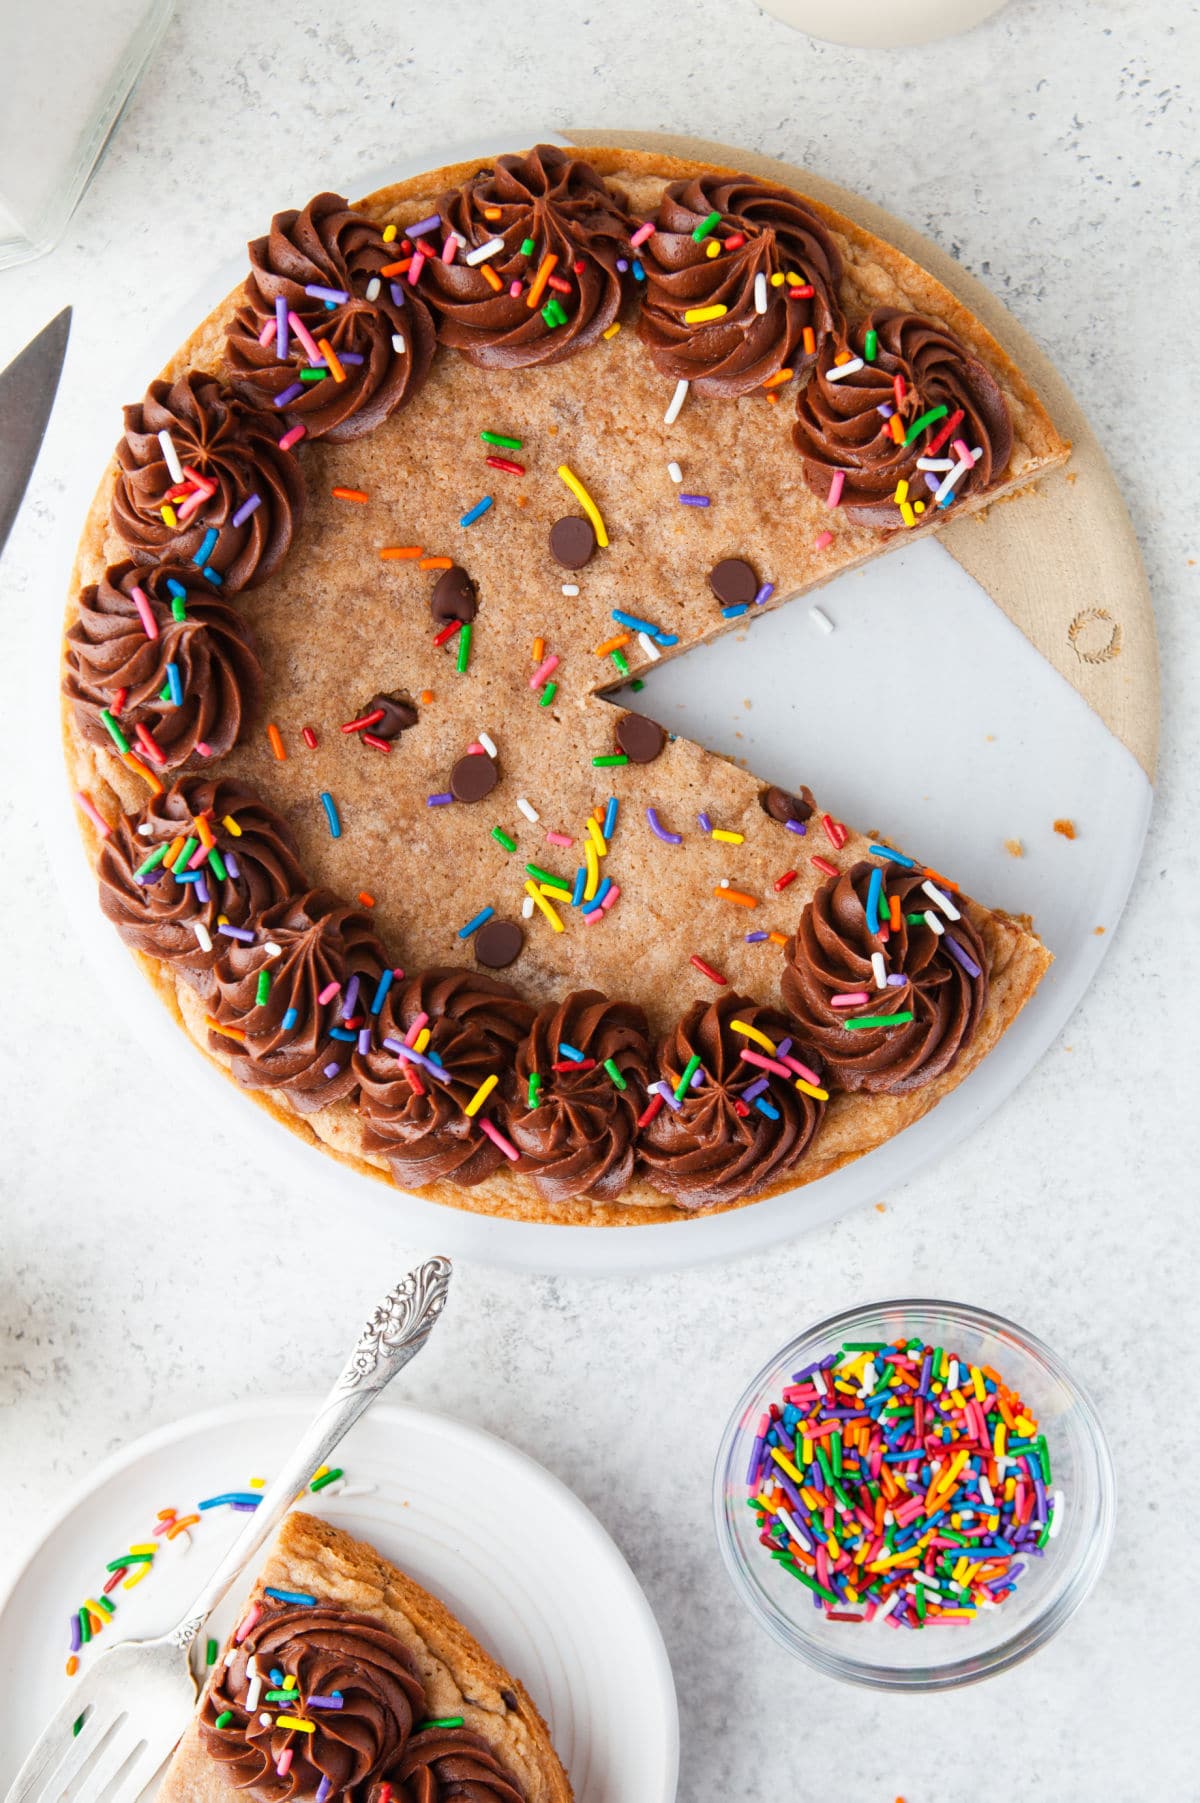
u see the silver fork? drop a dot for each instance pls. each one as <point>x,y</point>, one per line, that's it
<point>137,1699</point>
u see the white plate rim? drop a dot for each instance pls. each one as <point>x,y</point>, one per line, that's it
<point>162,1438</point>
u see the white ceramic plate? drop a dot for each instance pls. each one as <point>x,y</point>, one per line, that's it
<point>986,744</point>
<point>527,1568</point>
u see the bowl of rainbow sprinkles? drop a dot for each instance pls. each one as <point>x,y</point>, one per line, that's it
<point>914,1495</point>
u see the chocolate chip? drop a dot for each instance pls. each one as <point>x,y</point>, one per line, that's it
<point>508,1698</point>
<point>782,806</point>
<point>733,581</point>
<point>572,541</point>
<point>473,777</point>
<point>399,713</point>
<point>640,739</point>
<point>453,596</point>
<point>498,942</point>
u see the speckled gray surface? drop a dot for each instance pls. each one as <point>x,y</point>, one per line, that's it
<point>1049,149</point>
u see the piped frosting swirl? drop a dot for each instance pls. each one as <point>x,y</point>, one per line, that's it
<point>328,1651</point>
<point>919,372</point>
<point>324,264</point>
<point>415,1117</point>
<point>763,325</point>
<point>160,652</point>
<point>240,517</point>
<point>322,976</point>
<point>255,867</point>
<point>558,206</point>
<point>579,1139</point>
<point>450,1765</point>
<point>715,1146</point>
<point>941,980</point>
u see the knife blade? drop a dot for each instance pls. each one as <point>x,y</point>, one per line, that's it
<point>27,390</point>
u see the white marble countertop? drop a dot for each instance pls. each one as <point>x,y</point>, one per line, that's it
<point>1048,150</point>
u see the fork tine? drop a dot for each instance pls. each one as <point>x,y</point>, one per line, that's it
<point>57,1742</point>
<point>134,1781</point>
<point>84,1747</point>
<point>118,1751</point>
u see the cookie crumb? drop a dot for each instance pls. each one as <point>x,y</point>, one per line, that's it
<point>1066,828</point>
<point>1098,929</point>
<point>1014,848</point>
<point>881,1208</point>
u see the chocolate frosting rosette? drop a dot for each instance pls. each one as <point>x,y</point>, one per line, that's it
<point>546,205</point>
<point>764,325</point>
<point>322,963</point>
<point>921,377</point>
<point>322,266</point>
<point>158,653</point>
<point>330,1652</point>
<point>174,917</point>
<point>239,518</point>
<point>450,1765</point>
<point>936,981</point>
<point>739,1127</point>
<point>576,1127</point>
<point>416,1118</point>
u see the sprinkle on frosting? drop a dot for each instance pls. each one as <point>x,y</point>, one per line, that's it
<point>315,278</point>
<point>579,1139</point>
<point>765,303</point>
<point>870,422</point>
<point>171,663</point>
<point>229,456</point>
<point>847,945</point>
<point>300,1038</point>
<point>556,222</point>
<point>732,1126</point>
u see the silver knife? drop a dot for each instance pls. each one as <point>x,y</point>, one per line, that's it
<point>27,390</point>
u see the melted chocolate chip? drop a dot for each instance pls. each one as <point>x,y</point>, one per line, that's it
<point>473,777</point>
<point>782,806</point>
<point>399,713</point>
<point>453,596</point>
<point>572,541</point>
<point>498,942</point>
<point>640,739</point>
<point>733,581</point>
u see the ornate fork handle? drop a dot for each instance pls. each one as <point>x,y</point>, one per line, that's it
<point>398,1328</point>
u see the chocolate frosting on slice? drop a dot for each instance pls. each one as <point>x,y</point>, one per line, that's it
<point>110,650</point>
<point>707,1151</point>
<point>226,443</point>
<point>450,1765</point>
<point>839,425</point>
<point>325,1649</point>
<point>781,233</point>
<point>384,346</point>
<point>559,204</point>
<point>322,941</point>
<point>157,913</point>
<point>580,1141</point>
<point>476,1023</point>
<point>831,955</point>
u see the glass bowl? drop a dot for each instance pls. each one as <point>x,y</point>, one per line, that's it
<point>1049,1590</point>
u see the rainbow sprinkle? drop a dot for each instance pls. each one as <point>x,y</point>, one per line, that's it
<point>895,1480</point>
